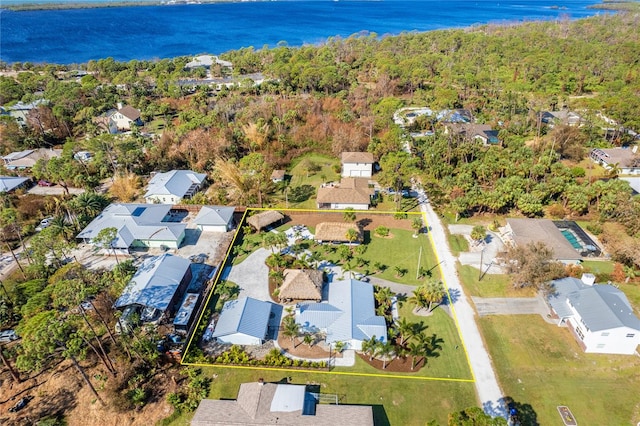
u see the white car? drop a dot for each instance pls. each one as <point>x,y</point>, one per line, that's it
<point>7,336</point>
<point>44,223</point>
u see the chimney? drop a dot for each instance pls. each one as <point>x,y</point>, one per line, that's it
<point>261,381</point>
<point>119,105</point>
<point>588,279</point>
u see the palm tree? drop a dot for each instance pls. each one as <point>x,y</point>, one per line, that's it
<point>291,329</point>
<point>434,293</point>
<point>415,350</point>
<point>308,339</point>
<point>370,347</point>
<point>383,296</point>
<point>405,328</point>
<point>61,226</point>
<point>351,236</point>
<point>385,350</point>
<point>416,225</point>
<point>349,215</point>
<point>418,298</point>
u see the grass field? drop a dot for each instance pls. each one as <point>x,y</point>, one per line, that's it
<point>491,285</point>
<point>541,366</point>
<point>458,243</point>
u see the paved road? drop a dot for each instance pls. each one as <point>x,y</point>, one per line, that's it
<point>487,388</point>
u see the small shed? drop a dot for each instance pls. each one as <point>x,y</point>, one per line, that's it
<point>277,176</point>
<point>301,284</point>
<point>264,219</point>
<point>336,232</point>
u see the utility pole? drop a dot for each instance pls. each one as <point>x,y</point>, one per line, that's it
<point>481,256</point>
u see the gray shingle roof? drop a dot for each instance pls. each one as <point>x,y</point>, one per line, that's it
<point>357,157</point>
<point>245,315</point>
<point>9,183</point>
<point>527,231</point>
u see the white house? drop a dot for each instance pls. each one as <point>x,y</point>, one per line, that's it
<point>124,117</point>
<point>137,225</point>
<point>357,164</point>
<point>599,316</point>
<point>626,160</point>
<point>243,322</point>
<point>351,192</point>
<point>348,315</point>
<point>215,219</point>
<point>171,187</point>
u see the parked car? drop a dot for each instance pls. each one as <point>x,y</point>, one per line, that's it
<point>43,182</point>
<point>22,402</point>
<point>44,223</point>
<point>7,336</point>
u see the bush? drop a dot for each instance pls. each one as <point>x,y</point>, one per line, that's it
<point>382,231</point>
<point>556,211</point>
<point>594,228</point>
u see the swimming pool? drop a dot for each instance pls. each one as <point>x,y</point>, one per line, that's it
<point>573,239</point>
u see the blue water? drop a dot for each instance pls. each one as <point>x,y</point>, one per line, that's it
<point>149,32</point>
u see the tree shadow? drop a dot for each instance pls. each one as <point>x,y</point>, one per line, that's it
<point>364,222</point>
<point>518,412</point>
<point>452,296</point>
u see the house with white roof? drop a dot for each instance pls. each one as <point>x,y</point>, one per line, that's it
<point>137,225</point>
<point>243,322</point>
<point>11,183</point>
<point>171,187</point>
<point>158,284</point>
<point>348,315</point>
<point>215,218</point>
<point>28,158</point>
<point>357,164</point>
<point>207,61</point>
<point>599,316</point>
<point>260,403</point>
<point>21,111</point>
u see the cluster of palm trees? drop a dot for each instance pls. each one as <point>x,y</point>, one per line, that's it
<point>405,339</point>
<point>292,330</point>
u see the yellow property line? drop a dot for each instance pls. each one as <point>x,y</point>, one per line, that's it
<point>343,373</point>
<point>453,309</point>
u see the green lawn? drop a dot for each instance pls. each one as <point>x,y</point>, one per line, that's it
<point>458,243</point>
<point>491,285</point>
<point>541,366</point>
<point>395,401</point>
<point>400,250</point>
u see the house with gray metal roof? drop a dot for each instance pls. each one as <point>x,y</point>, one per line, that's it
<point>347,315</point>
<point>215,218</point>
<point>599,316</point>
<point>11,183</point>
<point>28,158</point>
<point>526,231</point>
<point>137,225</point>
<point>159,283</point>
<point>261,403</point>
<point>171,187</point>
<point>243,322</point>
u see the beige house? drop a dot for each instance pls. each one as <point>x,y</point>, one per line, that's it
<point>301,284</point>
<point>261,403</point>
<point>125,117</point>
<point>351,192</point>
<point>27,159</point>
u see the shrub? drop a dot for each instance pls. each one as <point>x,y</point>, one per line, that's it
<point>594,228</point>
<point>382,231</point>
<point>301,193</point>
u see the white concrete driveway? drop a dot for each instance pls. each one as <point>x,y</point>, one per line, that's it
<point>252,275</point>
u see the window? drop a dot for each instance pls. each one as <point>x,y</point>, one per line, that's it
<point>605,334</point>
<point>580,333</point>
<point>600,346</point>
<point>631,335</point>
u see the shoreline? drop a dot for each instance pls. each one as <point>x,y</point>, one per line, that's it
<point>114,3</point>
<point>614,5</point>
